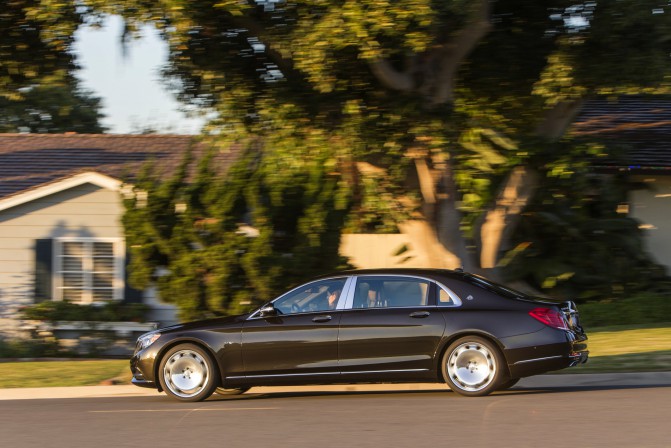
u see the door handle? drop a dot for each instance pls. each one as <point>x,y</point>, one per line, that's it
<point>324,318</point>
<point>420,314</point>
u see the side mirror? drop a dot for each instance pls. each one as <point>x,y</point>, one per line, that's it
<point>268,311</point>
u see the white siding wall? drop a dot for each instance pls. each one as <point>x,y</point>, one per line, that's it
<point>653,209</point>
<point>84,211</point>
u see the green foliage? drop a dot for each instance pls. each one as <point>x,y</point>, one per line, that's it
<point>638,308</point>
<point>52,108</point>
<point>573,243</point>
<point>29,348</point>
<point>238,240</point>
<point>65,311</point>
<point>300,83</point>
<point>38,90</point>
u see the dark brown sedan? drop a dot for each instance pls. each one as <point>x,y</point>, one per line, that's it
<point>391,325</point>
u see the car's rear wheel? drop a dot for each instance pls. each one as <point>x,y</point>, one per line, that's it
<point>188,373</point>
<point>473,366</point>
<point>234,391</point>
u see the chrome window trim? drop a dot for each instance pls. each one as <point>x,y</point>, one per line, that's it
<point>347,294</point>
<point>348,279</point>
<point>346,299</point>
<point>455,298</point>
<point>337,372</point>
<point>537,359</point>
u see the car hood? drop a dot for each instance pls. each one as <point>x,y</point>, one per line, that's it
<point>228,321</point>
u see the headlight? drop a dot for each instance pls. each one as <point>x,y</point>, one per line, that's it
<point>146,340</point>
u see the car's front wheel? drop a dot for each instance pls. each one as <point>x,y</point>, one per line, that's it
<point>188,373</point>
<point>473,366</point>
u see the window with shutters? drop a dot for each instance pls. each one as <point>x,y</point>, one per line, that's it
<point>89,270</point>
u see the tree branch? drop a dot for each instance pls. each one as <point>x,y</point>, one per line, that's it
<point>457,48</point>
<point>499,223</point>
<point>556,120</point>
<point>390,77</point>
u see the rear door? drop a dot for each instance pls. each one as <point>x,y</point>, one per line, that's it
<point>392,329</point>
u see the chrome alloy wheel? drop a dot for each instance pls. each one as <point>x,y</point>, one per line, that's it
<point>186,373</point>
<point>471,366</point>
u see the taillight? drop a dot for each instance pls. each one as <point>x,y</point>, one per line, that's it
<point>549,317</point>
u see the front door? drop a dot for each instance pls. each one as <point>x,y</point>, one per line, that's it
<point>301,340</point>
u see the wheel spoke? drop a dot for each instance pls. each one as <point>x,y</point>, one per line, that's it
<point>471,366</point>
<point>186,373</point>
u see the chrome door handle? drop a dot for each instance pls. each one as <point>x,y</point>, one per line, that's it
<point>325,318</point>
<point>420,314</point>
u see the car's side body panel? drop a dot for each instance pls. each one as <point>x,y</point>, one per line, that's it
<point>298,344</point>
<point>390,342</point>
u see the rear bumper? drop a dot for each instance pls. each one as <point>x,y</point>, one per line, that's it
<point>550,350</point>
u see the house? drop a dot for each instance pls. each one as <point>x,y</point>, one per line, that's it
<point>61,236</point>
<point>641,125</point>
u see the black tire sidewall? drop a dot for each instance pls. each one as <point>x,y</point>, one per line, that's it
<point>212,380</point>
<point>499,376</point>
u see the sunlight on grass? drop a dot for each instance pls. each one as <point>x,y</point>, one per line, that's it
<point>630,340</point>
<point>61,373</point>
<point>628,348</point>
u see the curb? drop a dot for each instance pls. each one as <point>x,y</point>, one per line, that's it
<point>571,382</point>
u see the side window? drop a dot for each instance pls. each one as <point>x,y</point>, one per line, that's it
<point>318,296</point>
<point>387,292</point>
<point>444,298</point>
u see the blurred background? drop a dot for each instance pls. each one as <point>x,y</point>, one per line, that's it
<point>163,161</point>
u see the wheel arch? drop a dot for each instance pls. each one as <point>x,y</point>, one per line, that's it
<point>184,340</point>
<point>447,341</point>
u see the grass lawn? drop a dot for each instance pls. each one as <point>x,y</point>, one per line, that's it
<point>62,373</point>
<point>630,348</point>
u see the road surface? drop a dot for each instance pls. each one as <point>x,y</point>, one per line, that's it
<point>537,413</point>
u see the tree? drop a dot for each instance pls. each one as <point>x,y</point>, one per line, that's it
<point>52,108</point>
<point>195,231</point>
<point>443,114</point>
<point>38,92</point>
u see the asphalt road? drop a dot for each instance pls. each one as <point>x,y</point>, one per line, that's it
<point>612,414</point>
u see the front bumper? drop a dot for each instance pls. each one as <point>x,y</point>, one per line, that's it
<point>142,368</point>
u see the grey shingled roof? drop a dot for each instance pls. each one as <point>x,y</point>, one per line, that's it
<point>642,123</point>
<point>31,160</point>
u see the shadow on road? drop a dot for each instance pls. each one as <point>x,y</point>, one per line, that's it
<point>251,396</point>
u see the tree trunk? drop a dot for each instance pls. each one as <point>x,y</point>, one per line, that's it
<point>500,221</point>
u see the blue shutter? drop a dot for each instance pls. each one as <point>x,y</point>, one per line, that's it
<point>44,250</point>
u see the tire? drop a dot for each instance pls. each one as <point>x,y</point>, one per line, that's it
<point>234,391</point>
<point>188,373</point>
<point>473,366</point>
<point>508,384</point>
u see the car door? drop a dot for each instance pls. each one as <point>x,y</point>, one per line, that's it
<point>392,329</point>
<point>300,340</point>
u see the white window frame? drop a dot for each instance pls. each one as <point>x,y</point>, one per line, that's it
<point>118,283</point>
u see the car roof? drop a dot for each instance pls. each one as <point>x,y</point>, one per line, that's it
<point>420,272</point>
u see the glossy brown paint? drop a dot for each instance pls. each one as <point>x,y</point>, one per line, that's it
<point>375,344</point>
<point>390,339</point>
<point>295,344</point>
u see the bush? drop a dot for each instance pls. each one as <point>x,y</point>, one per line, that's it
<point>643,308</point>
<point>105,312</point>
<point>30,348</point>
